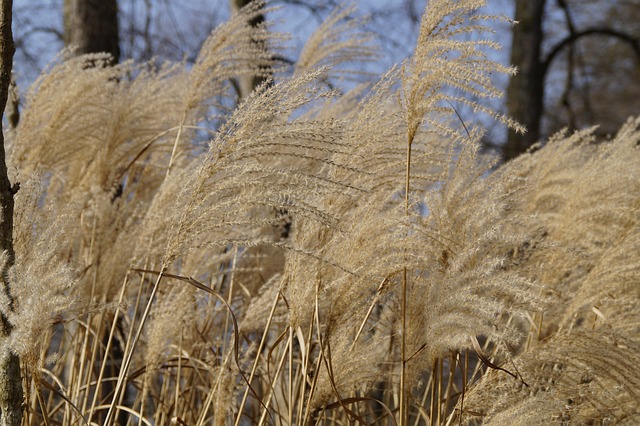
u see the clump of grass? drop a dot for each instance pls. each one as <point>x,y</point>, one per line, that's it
<point>326,256</point>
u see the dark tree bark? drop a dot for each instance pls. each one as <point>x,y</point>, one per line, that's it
<point>525,94</point>
<point>92,26</point>
<point>248,83</point>
<point>10,379</point>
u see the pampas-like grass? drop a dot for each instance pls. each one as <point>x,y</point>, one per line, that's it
<point>571,379</point>
<point>327,256</point>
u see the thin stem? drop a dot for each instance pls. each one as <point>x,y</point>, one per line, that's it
<point>290,405</point>
<point>230,298</point>
<point>263,341</point>
<point>107,349</point>
<point>127,361</point>
<point>176,403</point>
<point>440,364</point>
<point>272,384</point>
<point>450,381</point>
<point>403,307</point>
<point>175,144</point>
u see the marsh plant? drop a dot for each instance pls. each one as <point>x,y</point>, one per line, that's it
<point>316,255</point>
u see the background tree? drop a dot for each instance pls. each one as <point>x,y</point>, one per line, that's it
<point>10,379</point>
<point>596,68</point>
<point>524,94</point>
<point>91,26</point>
<point>248,83</point>
<point>597,40</point>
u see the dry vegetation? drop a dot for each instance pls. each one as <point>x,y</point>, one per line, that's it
<point>312,256</point>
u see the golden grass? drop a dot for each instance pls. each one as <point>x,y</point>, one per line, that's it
<point>417,282</point>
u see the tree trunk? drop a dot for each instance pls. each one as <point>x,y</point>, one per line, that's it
<point>248,83</point>
<point>10,380</point>
<point>92,26</point>
<point>525,94</point>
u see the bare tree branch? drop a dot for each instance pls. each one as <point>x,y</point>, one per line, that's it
<point>634,42</point>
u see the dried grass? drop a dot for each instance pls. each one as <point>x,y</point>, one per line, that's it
<point>325,257</point>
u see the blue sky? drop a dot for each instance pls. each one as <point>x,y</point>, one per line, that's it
<point>177,27</point>
<point>174,30</point>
